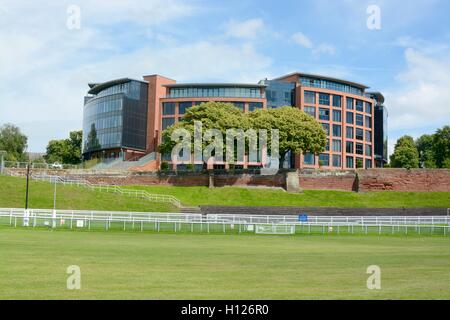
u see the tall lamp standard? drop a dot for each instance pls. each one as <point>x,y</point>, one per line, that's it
<point>2,162</point>
<point>26,216</point>
<point>54,203</point>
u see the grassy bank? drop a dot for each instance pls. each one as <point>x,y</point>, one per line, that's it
<point>12,194</point>
<point>233,196</point>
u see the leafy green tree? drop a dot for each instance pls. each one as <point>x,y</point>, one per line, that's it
<point>441,147</point>
<point>55,151</point>
<point>405,154</point>
<point>67,151</point>
<point>212,115</point>
<point>424,145</point>
<point>14,142</point>
<point>298,131</point>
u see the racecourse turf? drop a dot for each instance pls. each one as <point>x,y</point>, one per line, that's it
<point>134,265</point>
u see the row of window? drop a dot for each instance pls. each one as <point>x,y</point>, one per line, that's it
<point>351,133</point>
<point>169,108</point>
<point>96,107</point>
<point>351,118</point>
<point>336,146</point>
<point>131,89</point>
<point>215,92</point>
<point>336,161</point>
<point>103,123</point>
<point>325,99</point>
<point>331,85</point>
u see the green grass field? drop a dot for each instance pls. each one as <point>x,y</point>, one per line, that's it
<point>233,196</point>
<point>121,265</point>
<point>12,195</point>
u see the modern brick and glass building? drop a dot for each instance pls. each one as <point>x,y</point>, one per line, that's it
<point>124,118</point>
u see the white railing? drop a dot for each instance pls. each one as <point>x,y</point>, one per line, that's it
<point>107,188</point>
<point>218,223</point>
<point>335,220</point>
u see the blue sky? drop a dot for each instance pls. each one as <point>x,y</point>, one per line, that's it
<point>45,67</point>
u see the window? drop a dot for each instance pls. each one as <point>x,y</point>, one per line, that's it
<point>324,159</point>
<point>327,146</point>
<point>324,99</point>
<point>168,108</point>
<point>368,107</point>
<point>309,158</point>
<point>183,106</point>
<point>326,127</point>
<point>254,105</point>
<point>368,163</point>
<point>311,111</point>
<point>359,148</point>
<point>349,133</point>
<point>337,130</point>
<point>350,162</point>
<point>350,117</point>
<point>337,101</point>
<point>349,147</point>
<point>359,120</point>
<point>336,160</point>
<point>359,163</point>
<point>359,134</point>
<point>337,116</point>
<point>368,150</point>
<point>368,136</point>
<point>337,146</point>
<point>350,103</point>
<point>310,97</point>
<point>167,122</point>
<point>368,122</point>
<point>324,114</point>
<point>359,105</point>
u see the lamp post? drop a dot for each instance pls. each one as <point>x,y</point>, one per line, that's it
<point>2,162</point>
<point>26,216</point>
<point>54,204</point>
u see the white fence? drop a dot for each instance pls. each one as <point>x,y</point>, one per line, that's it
<point>176,222</point>
<point>142,194</point>
<point>334,220</point>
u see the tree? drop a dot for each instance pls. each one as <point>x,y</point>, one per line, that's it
<point>424,146</point>
<point>14,142</point>
<point>298,131</point>
<point>212,115</point>
<point>405,154</point>
<point>441,147</point>
<point>67,151</point>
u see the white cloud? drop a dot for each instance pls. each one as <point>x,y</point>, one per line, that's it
<point>421,97</point>
<point>304,41</point>
<point>248,29</point>
<point>45,68</point>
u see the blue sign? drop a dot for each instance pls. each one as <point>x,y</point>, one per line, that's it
<point>303,218</point>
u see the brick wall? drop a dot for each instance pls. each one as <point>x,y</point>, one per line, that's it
<point>328,180</point>
<point>404,180</point>
<point>360,180</point>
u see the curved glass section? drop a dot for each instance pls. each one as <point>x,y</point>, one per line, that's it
<point>130,89</point>
<point>331,85</point>
<point>116,118</point>
<point>102,123</point>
